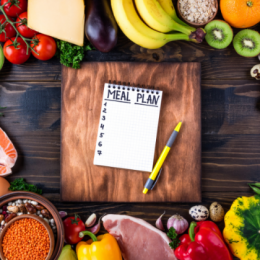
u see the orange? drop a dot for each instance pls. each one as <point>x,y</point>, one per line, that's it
<point>8,154</point>
<point>241,13</point>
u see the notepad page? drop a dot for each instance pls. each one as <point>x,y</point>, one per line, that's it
<point>128,127</point>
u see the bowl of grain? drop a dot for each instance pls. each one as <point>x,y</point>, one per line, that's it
<point>197,13</point>
<point>26,237</point>
<point>9,202</point>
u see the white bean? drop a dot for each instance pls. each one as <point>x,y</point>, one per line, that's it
<point>13,204</point>
<point>38,212</point>
<point>41,216</point>
<point>1,210</point>
<point>34,202</point>
<point>25,201</point>
<point>10,203</point>
<point>52,221</point>
<point>2,223</point>
<point>19,213</point>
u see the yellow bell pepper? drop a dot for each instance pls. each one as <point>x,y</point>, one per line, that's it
<point>103,247</point>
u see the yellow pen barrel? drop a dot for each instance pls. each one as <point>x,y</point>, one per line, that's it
<point>160,162</point>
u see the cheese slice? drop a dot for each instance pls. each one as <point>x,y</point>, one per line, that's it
<point>62,19</point>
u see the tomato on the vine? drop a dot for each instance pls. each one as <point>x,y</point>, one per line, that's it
<point>15,50</point>
<point>44,45</point>
<point>6,29</point>
<point>22,26</point>
<point>14,7</point>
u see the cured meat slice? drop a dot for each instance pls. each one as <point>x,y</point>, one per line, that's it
<point>137,239</point>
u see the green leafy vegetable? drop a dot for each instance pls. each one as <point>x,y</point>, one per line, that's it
<point>70,54</point>
<point>20,184</point>
<point>174,237</point>
<point>255,187</point>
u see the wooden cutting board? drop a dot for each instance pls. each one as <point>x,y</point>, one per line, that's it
<point>82,92</point>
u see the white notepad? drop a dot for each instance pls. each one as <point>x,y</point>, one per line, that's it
<point>128,127</point>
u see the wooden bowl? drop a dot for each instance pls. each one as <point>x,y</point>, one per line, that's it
<point>197,25</point>
<point>41,220</point>
<point>15,195</point>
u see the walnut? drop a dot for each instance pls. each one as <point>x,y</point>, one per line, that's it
<point>22,208</point>
<point>13,209</point>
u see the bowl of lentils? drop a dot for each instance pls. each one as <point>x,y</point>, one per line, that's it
<point>18,205</point>
<point>26,237</point>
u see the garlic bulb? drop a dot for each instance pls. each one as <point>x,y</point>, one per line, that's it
<point>179,223</point>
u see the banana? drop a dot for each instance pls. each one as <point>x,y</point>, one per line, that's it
<point>154,15</point>
<point>137,31</point>
<point>168,7</point>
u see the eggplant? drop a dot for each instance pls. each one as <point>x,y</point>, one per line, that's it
<point>101,27</point>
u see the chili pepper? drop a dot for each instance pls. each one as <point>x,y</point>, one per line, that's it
<point>204,242</point>
<point>98,248</point>
<point>73,226</point>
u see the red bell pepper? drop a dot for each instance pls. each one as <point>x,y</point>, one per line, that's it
<point>204,242</point>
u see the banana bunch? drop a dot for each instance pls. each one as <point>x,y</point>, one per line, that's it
<point>160,20</point>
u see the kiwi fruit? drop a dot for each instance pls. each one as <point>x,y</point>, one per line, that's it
<point>219,34</point>
<point>247,43</point>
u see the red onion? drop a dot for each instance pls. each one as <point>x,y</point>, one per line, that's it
<point>63,214</point>
<point>179,223</point>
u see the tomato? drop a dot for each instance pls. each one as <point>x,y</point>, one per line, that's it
<point>15,7</point>
<point>22,26</point>
<point>46,47</point>
<point>16,55</point>
<point>72,227</point>
<point>6,31</point>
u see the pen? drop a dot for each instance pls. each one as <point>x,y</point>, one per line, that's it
<point>157,168</point>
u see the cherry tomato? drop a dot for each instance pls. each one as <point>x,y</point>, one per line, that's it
<point>16,55</point>
<point>46,47</point>
<point>15,7</point>
<point>22,26</point>
<point>6,30</point>
<point>72,227</point>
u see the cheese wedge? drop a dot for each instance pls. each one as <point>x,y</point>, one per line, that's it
<point>61,19</point>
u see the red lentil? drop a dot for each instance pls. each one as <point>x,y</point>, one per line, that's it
<point>26,239</point>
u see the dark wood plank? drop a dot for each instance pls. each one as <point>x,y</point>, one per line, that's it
<point>150,212</point>
<point>215,64</point>
<point>82,93</point>
<point>230,133</point>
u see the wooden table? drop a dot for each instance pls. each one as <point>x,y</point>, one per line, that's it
<point>230,124</point>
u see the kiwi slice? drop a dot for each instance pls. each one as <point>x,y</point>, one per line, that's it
<point>247,43</point>
<point>219,34</point>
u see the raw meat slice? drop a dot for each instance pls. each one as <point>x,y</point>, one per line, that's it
<point>137,239</point>
<point>8,154</point>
